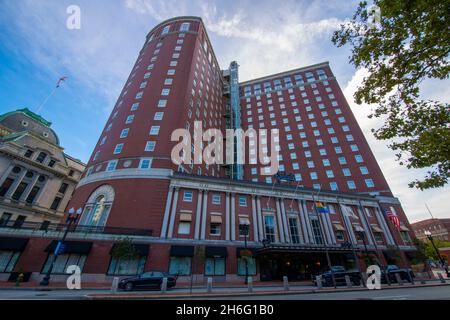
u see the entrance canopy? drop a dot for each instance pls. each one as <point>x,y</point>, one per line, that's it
<point>302,248</point>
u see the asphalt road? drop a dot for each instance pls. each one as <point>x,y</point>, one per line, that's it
<point>420,293</point>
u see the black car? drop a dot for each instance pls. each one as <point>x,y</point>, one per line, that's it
<point>147,280</point>
<point>392,269</point>
<point>339,274</point>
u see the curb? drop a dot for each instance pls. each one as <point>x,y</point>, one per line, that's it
<point>137,296</point>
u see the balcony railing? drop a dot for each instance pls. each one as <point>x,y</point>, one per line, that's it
<point>46,227</point>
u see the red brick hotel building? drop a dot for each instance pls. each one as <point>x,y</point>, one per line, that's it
<point>192,219</point>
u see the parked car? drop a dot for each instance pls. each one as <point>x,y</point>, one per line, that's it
<point>339,273</point>
<point>392,269</point>
<point>152,279</point>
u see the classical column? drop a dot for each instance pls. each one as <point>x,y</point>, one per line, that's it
<point>303,222</point>
<point>173,213</point>
<point>227,216</point>
<point>166,213</point>
<point>348,225</point>
<point>16,183</point>
<point>308,222</point>
<point>280,221</point>
<point>366,227</point>
<point>285,221</point>
<point>6,173</point>
<point>233,217</point>
<point>204,214</point>
<point>30,186</point>
<point>255,222</point>
<point>260,217</point>
<point>323,221</point>
<point>330,228</point>
<point>198,215</point>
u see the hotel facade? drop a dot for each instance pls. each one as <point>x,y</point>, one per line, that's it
<point>214,220</point>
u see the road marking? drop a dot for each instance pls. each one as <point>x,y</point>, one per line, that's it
<point>392,297</point>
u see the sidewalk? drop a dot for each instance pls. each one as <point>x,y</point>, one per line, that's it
<point>228,292</point>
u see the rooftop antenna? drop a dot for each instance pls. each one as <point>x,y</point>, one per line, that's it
<point>60,80</point>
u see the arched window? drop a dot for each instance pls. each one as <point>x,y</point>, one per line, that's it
<point>97,208</point>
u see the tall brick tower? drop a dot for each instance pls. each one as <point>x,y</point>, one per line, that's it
<point>175,81</point>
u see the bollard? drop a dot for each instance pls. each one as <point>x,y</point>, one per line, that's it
<point>250,284</point>
<point>441,277</point>
<point>209,285</point>
<point>164,285</point>
<point>348,281</point>
<point>285,283</point>
<point>319,282</point>
<point>115,285</point>
<point>399,280</point>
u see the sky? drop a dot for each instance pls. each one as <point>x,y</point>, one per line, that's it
<point>264,36</point>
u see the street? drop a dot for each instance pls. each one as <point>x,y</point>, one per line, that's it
<point>419,293</point>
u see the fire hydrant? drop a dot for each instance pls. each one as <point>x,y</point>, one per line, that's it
<point>19,279</point>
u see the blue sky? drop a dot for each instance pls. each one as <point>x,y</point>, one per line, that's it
<point>264,37</point>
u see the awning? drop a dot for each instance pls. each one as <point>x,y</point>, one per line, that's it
<point>13,244</point>
<point>142,249</point>
<point>338,227</point>
<point>186,217</point>
<point>377,229</point>
<point>80,247</point>
<point>182,251</point>
<point>243,220</point>
<point>358,228</point>
<point>216,219</point>
<point>403,228</point>
<point>238,251</point>
<point>216,252</point>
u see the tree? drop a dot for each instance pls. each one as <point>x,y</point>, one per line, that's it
<point>409,44</point>
<point>124,250</point>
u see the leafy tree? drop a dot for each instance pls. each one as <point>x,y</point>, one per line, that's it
<point>124,250</point>
<point>409,44</point>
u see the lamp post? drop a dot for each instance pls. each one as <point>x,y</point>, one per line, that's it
<point>441,260</point>
<point>245,229</point>
<point>71,218</point>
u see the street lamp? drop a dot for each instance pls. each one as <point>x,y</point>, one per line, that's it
<point>441,260</point>
<point>245,229</point>
<point>71,218</point>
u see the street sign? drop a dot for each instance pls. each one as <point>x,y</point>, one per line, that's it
<point>60,247</point>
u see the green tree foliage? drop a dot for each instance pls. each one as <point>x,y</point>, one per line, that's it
<point>124,250</point>
<point>409,44</point>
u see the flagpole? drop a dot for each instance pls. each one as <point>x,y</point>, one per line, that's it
<point>429,211</point>
<point>45,100</point>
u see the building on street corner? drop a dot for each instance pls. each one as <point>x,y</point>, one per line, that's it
<point>192,218</point>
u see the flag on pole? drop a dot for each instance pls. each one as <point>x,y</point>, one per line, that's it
<point>349,212</point>
<point>60,80</point>
<point>393,217</point>
<point>321,208</point>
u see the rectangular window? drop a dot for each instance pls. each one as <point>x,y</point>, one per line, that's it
<point>150,146</point>
<point>369,183</point>
<point>269,224</point>
<point>242,201</point>
<point>111,165</point>
<point>162,103</point>
<point>8,260</point>
<point>124,133</point>
<point>165,30</point>
<point>184,228</point>
<point>333,186</point>
<point>118,148</point>
<point>293,228</point>
<point>185,26</point>
<point>158,116</point>
<point>165,92</point>
<point>250,263</point>
<point>134,106</point>
<point>168,81</point>
<point>215,228</point>
<point>216,199</point>
<point>145,163</point>
<point>130,119</point>
<point>127,266</point>
<point>215,266</point>
<point>351,184</point>
<point>180,266</point>
<point>316,231</point>
<point>364,170</point>
<point>154,130</point>
<point>187,196</point>
<point>63,261</point>
<point>139,95</point>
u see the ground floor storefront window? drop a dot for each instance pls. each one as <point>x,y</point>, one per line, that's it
<point>8,260</point>
<point>180,266</point>
<point>215,266</point>
<point>128,266</point>
<point>63,261</point>
<point>251,266</point>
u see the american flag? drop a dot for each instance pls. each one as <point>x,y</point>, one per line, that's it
<point>392,216</point>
